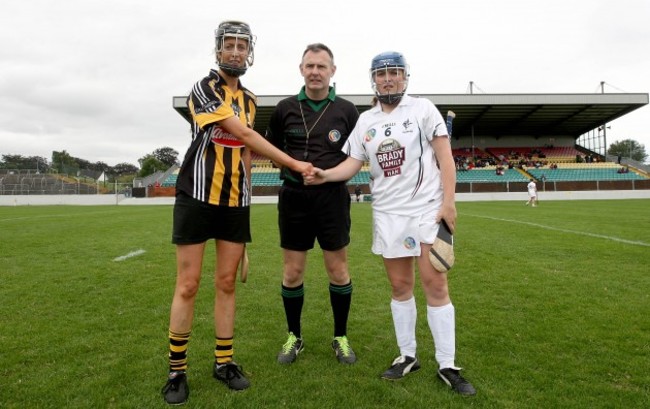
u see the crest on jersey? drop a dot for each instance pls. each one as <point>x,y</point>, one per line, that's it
<point>369,135</point>
<point>236,108</point>
<point>391,156</point>
<point>409,243</point>
<point>334,136</point>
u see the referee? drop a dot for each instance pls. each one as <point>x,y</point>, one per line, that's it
<point>313,126</point>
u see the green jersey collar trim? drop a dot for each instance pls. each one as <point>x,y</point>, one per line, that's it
<point>317,105</point>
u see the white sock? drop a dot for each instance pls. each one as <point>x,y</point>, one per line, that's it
<point>442,322</point>
<point>404,317</point>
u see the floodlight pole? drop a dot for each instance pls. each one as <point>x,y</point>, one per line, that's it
<point>602,91</point>
<point>471,91</point>
<point>630,146</point>
<point>605,139</point>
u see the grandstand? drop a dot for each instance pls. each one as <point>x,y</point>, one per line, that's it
<point>499,142</point>
<point>170,179</point>
<point>547,153</point>
<point>489,175</point>
<point>524,134</point>
<point>265,175</point>
<point>537,166</point>
<point>585,171</point>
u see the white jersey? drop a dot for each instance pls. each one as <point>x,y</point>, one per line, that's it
<point>532,189</point>
<point>404,177</point>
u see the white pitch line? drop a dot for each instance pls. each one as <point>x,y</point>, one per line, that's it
<point>580,233</point>
<point>129,255</point>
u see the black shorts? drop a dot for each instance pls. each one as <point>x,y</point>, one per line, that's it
<point>309,214</point>
<point>197,222</point>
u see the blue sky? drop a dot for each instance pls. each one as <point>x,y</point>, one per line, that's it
<point>96,78</point>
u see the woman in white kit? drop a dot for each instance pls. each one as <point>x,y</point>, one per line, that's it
<point>413,182</point>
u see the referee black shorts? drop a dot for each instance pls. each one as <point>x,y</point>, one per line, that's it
<point>197,222</point>
<point>307,214</point>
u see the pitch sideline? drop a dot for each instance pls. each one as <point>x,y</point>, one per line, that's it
<point>580,233</point>
<point>129,255</point>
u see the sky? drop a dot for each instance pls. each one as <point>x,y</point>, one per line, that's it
<point>96,78</point>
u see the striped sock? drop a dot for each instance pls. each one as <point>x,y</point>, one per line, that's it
<point>178,343</point>
<point>223,350</point>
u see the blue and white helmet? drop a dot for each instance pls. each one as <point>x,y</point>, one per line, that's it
<point>238,30</point>
<point>386,61</point>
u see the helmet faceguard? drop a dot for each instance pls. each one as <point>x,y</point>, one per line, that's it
<point>239,31</point>
<point>390,60</point>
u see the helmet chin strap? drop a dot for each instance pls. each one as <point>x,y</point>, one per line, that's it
<point>390,99</point>
<point>232,71</point>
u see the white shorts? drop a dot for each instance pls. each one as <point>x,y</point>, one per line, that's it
<point>400,236</point>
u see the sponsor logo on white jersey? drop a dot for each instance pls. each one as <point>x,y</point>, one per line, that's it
<point>390,157</point>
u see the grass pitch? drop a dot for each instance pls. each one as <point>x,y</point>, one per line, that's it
<point>551,306</point>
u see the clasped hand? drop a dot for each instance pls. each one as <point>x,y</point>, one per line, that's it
<point>314,177</point>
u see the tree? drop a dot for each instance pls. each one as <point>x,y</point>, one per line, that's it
<point>628,148</point>
<point>62,161</point>
<point>102,167</point>
<point>166,155</point>
<point>150,165</point>
<point>124,169</point>
<point>37,163</point>
<point>83,163</point>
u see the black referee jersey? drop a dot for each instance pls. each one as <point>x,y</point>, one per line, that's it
<point>329,123</point>
<point>213,170</point>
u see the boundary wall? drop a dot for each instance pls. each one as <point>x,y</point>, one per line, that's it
<point>122,200</point>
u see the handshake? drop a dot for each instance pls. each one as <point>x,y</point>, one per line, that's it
<point>311,175</point>
<point>314,176</point>
<point>345,170</point>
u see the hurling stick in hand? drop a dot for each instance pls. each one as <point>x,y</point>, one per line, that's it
<point>450,119</point>
<point>441,254</point>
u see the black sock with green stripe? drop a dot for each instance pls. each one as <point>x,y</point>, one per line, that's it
<point>293,299</point>
<point>341,298</point>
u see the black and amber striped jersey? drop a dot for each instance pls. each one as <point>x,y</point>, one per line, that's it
<point>213,170</point>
